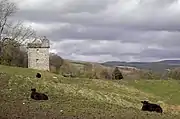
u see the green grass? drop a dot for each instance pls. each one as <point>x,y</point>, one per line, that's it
<point>82,98</point>
<point>167,90</point>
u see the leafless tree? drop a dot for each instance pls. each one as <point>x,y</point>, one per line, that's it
<point>12,30</point>
<point>19,32</point>
<point>7,9</point>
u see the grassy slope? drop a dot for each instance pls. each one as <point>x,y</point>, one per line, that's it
<point>83,98</point>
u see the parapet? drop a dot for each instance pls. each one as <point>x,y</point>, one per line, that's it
<point>39,43</point>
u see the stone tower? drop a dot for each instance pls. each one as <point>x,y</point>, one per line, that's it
<point>38,54</point>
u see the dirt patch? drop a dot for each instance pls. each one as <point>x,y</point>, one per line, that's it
<point>174,108</point>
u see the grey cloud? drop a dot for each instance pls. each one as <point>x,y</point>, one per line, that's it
<point>89,33</point>
<point>157,3</point>
<point>142,22</point>
<point>90,6</point>
<point>145,54</point>
<point>142,18</point>
<point>161,38</point>
<point>153,23</point>
<point>97,48</point>
<point>42,16</point>
<point>84,48</point>
<point>160,53</point>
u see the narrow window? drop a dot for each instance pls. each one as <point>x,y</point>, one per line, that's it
<point>37,60</point>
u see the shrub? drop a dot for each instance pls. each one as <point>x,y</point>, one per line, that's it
<point>105,74</point>
<point>55,61</point>
<point>117,75</point>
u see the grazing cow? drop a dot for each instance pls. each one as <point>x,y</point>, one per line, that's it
<point>38,75</point>
<point>151,107</point>
<point>38,96</point>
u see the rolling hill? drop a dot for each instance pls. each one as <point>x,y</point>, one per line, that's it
<point>72,98</point>
<point>155,66</point>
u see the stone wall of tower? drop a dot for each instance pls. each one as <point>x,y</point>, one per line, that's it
<point>38,58</point>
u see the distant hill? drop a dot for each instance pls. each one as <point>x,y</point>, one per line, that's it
<point>155,66</point>
<point>171,62</point>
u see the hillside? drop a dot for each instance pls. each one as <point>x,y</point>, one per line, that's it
<point>155,66</point>
<point>83,98</point>
<point>79,64</point>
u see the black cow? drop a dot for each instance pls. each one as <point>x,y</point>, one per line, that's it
<point>38,96</point>
<point>38,75</point>
<point>151,107</point>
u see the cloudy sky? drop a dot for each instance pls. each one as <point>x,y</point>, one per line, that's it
<point>104,30</point>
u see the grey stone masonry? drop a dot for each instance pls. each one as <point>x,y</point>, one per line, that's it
<point>38,54</point>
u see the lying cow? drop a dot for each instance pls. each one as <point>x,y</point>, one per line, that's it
<point>38,75</point>
<point>151,107</point>
<point>38,96</point>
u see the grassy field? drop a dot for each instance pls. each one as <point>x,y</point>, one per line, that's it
<point>83,98</point>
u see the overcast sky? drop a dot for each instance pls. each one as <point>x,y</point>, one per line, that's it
<point>103,30</point>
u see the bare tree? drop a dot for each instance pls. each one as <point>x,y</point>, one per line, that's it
<point>12,33</point>
<point>19,32</point>
<point>12,30</point>
<point>7,9</point>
